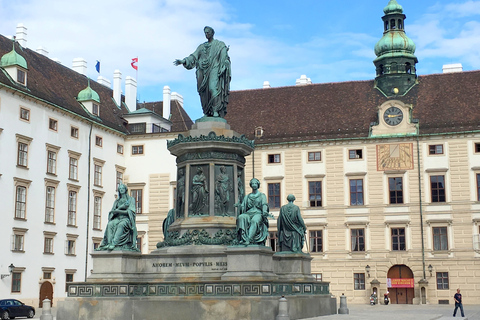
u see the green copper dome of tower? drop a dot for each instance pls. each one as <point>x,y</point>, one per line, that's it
<point>396,61</point>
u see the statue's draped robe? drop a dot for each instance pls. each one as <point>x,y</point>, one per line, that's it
<point>167,222</point>
<point>121,230</point>
<point>199,194</point>
<point>222,189</point>
<point>291,228</point>
<point>213,76</point>
<point>252,222</point>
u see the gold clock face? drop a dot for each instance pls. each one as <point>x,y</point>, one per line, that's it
<point>396,156</point>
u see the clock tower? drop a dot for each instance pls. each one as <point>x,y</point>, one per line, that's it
<point>396,61</point>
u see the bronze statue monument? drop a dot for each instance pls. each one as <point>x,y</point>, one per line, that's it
<point>252,221</point>
<point>121,230</point>
<point>290,226</point>
<point>213,74</point>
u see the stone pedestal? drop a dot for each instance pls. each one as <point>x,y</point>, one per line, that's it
<point>250,263</point>
<point>210,181</point>
<point>293,266</point>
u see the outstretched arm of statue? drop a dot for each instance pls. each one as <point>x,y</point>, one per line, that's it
<point>179,61</point>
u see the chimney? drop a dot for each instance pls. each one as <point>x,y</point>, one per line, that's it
<point>303,81</point>
<point>266,84</point>
<point>42,51</point>
<point>21,36</point>
<point>166,102</point>
<point>117,87</point>
<point>104,81</point>
<point>454,67</point>
<point>80,65</point>
<point>131,93</point>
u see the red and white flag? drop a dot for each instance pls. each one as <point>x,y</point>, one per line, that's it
<point>134,63</point>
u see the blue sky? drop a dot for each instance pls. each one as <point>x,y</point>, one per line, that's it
<point>275,41</point>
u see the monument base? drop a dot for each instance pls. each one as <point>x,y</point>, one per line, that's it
<point>198,308</point>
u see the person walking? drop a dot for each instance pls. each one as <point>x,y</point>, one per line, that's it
<point>458,303</point>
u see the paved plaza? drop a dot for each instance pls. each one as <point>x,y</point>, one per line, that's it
<point>390,312</point>
<point>404,312</point>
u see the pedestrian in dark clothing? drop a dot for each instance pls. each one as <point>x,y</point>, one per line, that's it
<point>458,303</point>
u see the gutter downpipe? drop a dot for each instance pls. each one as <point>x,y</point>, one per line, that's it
<point>88,199</point>
<point>420,206</point>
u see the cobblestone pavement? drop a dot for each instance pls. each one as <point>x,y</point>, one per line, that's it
<point>404,312</point>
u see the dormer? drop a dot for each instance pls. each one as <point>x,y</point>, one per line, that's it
<point>16,66</point>
<point>144,120</point>
<point>90,100</point>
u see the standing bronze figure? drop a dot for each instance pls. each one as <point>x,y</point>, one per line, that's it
<point>213,74</point>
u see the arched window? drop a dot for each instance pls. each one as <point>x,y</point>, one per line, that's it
<point>408,67</point>
<point>392,24</point>
<point>400,24</point>
<point>386,25</point>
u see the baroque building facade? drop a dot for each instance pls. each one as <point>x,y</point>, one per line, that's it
<point>386,173</point>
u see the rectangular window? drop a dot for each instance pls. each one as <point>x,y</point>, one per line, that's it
<point>274,158</point>
<point>18,243</point>
<point>68,278</point>
<point>72,208</point>
<point>395,188</point>
<point>97,213</point>
<point>98,141</point>
<point>440,239</point>
<point>139,243</point>
<point>442,281</point>
<point>358,239</point>
<point>16,281</point>
<point>119,178</point>
<point>356,192</point>
<point>21,202</point>
<point>52,162</point>
<point>359,281</point>
<point>53,124</point>
<point>48,245</point>
<point>315,193</point>
<point>137,149</point>
<point>97,177</point>
<point>73,169</point>
<point>119,148</point>
<point>70,247</point>
<point>435,149</point>
<point>438,188</point>
<point>95,109</point>
<point>22,154</point>
<point>156,128</point>
<point>137,194</point>
<point>50,204</point>
<point>398,239</point>
<point>74,132</point>
<point>477,147</point>
<point>478,186</point>
<point>47,275</point>
<point>24,114</point>
<point>355,154</point>
<point>315,156</point>
<point>274,195</point>
<point>21,76</point>
<point>137,127</point>
<point>273,240</point>
<point>316,241</point>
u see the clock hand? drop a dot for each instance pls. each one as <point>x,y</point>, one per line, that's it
<point>393,115</point>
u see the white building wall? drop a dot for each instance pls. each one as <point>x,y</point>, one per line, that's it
<point>33,259</point>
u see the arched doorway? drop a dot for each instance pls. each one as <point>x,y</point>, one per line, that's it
<point>400,284</point>
<point>46,292</point>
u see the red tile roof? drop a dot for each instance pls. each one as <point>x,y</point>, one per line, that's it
<point>441,102</point>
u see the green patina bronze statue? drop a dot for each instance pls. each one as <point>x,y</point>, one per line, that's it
<point>121,230</point>
<point>252,221</point>
<point>291,228</point>
<point>223,188</point>
<point>213,74</point>
<point>167,222</point>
